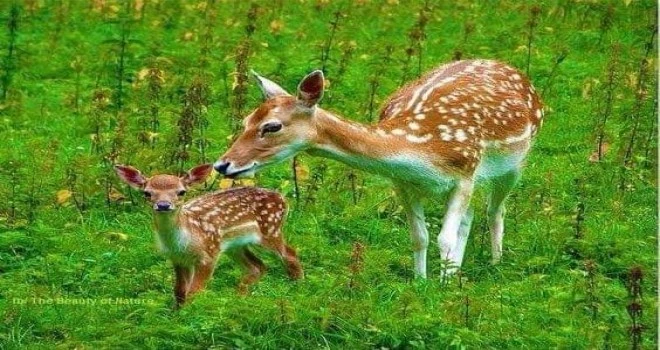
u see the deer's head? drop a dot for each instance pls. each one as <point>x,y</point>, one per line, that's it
<point>280,127</point>
<point>165,192</point>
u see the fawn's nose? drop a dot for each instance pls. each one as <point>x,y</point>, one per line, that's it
<point>221,167</point>
<point>163,206</point>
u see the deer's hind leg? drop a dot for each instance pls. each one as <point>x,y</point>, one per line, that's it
<point>453,237</point>
<point>286,253</point>
<point>253,267</point>
<point>501,187</point>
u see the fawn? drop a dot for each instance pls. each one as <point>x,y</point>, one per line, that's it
<point>194,234</point>
<point>463,123</point>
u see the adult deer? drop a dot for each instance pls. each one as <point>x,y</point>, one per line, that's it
<point>463,123</point>
<point>194,234</point>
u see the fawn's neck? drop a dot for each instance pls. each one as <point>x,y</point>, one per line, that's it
<point>169,234</point>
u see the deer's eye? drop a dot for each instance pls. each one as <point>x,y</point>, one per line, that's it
<point>147,194</point>
<point>181,193</point>
<point>271,127</point>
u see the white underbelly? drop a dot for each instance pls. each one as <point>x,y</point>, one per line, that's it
<point>240,241</point>
<point>495,164</point>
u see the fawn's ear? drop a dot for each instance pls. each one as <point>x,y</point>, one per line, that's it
<point>268,88</point>
<point>197,174</point>
<point>131,176</point>
<point>310,89</point>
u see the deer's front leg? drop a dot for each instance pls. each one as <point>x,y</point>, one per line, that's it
<point>202,273</point>
<point>182,278</point>
<point>448,240</point>
<point>412,204</point>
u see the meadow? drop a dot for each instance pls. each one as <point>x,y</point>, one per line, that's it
<point>163,85</point>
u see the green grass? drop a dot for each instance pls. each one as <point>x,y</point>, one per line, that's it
<point>538,297</point>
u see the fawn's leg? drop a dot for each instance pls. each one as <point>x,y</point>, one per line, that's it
<point>202,273</point>
<point>502,186</point>
<point>286,253</point>
<point>182,278</point>
<point>252,266</point>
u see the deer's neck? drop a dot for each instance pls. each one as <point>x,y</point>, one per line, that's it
<point>169,236</point>
<point>375,150</point>
<point>348,141</point>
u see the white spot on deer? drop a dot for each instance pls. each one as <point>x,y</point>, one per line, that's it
<point>444,99</point>
<point>444,128</point>
<point>381,132</point>
<point>446,136</point>
<point>207,226</point>
<point>539,114</point>
<point>460,135</point>
<point>421,116</point>
<point>398,132</point>
<point>418,139</point>
<point>413,126</point>
<point>515,77</point>
<point>418,107</point>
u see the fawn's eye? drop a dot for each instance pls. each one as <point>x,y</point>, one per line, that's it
<point>181,193</point>
<point>271,127</point>
<point>147,194</point>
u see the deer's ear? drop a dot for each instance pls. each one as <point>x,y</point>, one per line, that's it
<point>268,88</point>
<point>310,89</point>
<point>197,174</point>
<point>131,176</point>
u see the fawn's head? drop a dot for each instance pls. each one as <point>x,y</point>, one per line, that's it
<point>278,129</point>
<point>164,191</point>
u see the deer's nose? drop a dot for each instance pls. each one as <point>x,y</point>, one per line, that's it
<point>163,206</point>
<point>221,167</point>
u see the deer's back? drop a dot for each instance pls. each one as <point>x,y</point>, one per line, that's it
<point>465,109</point>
